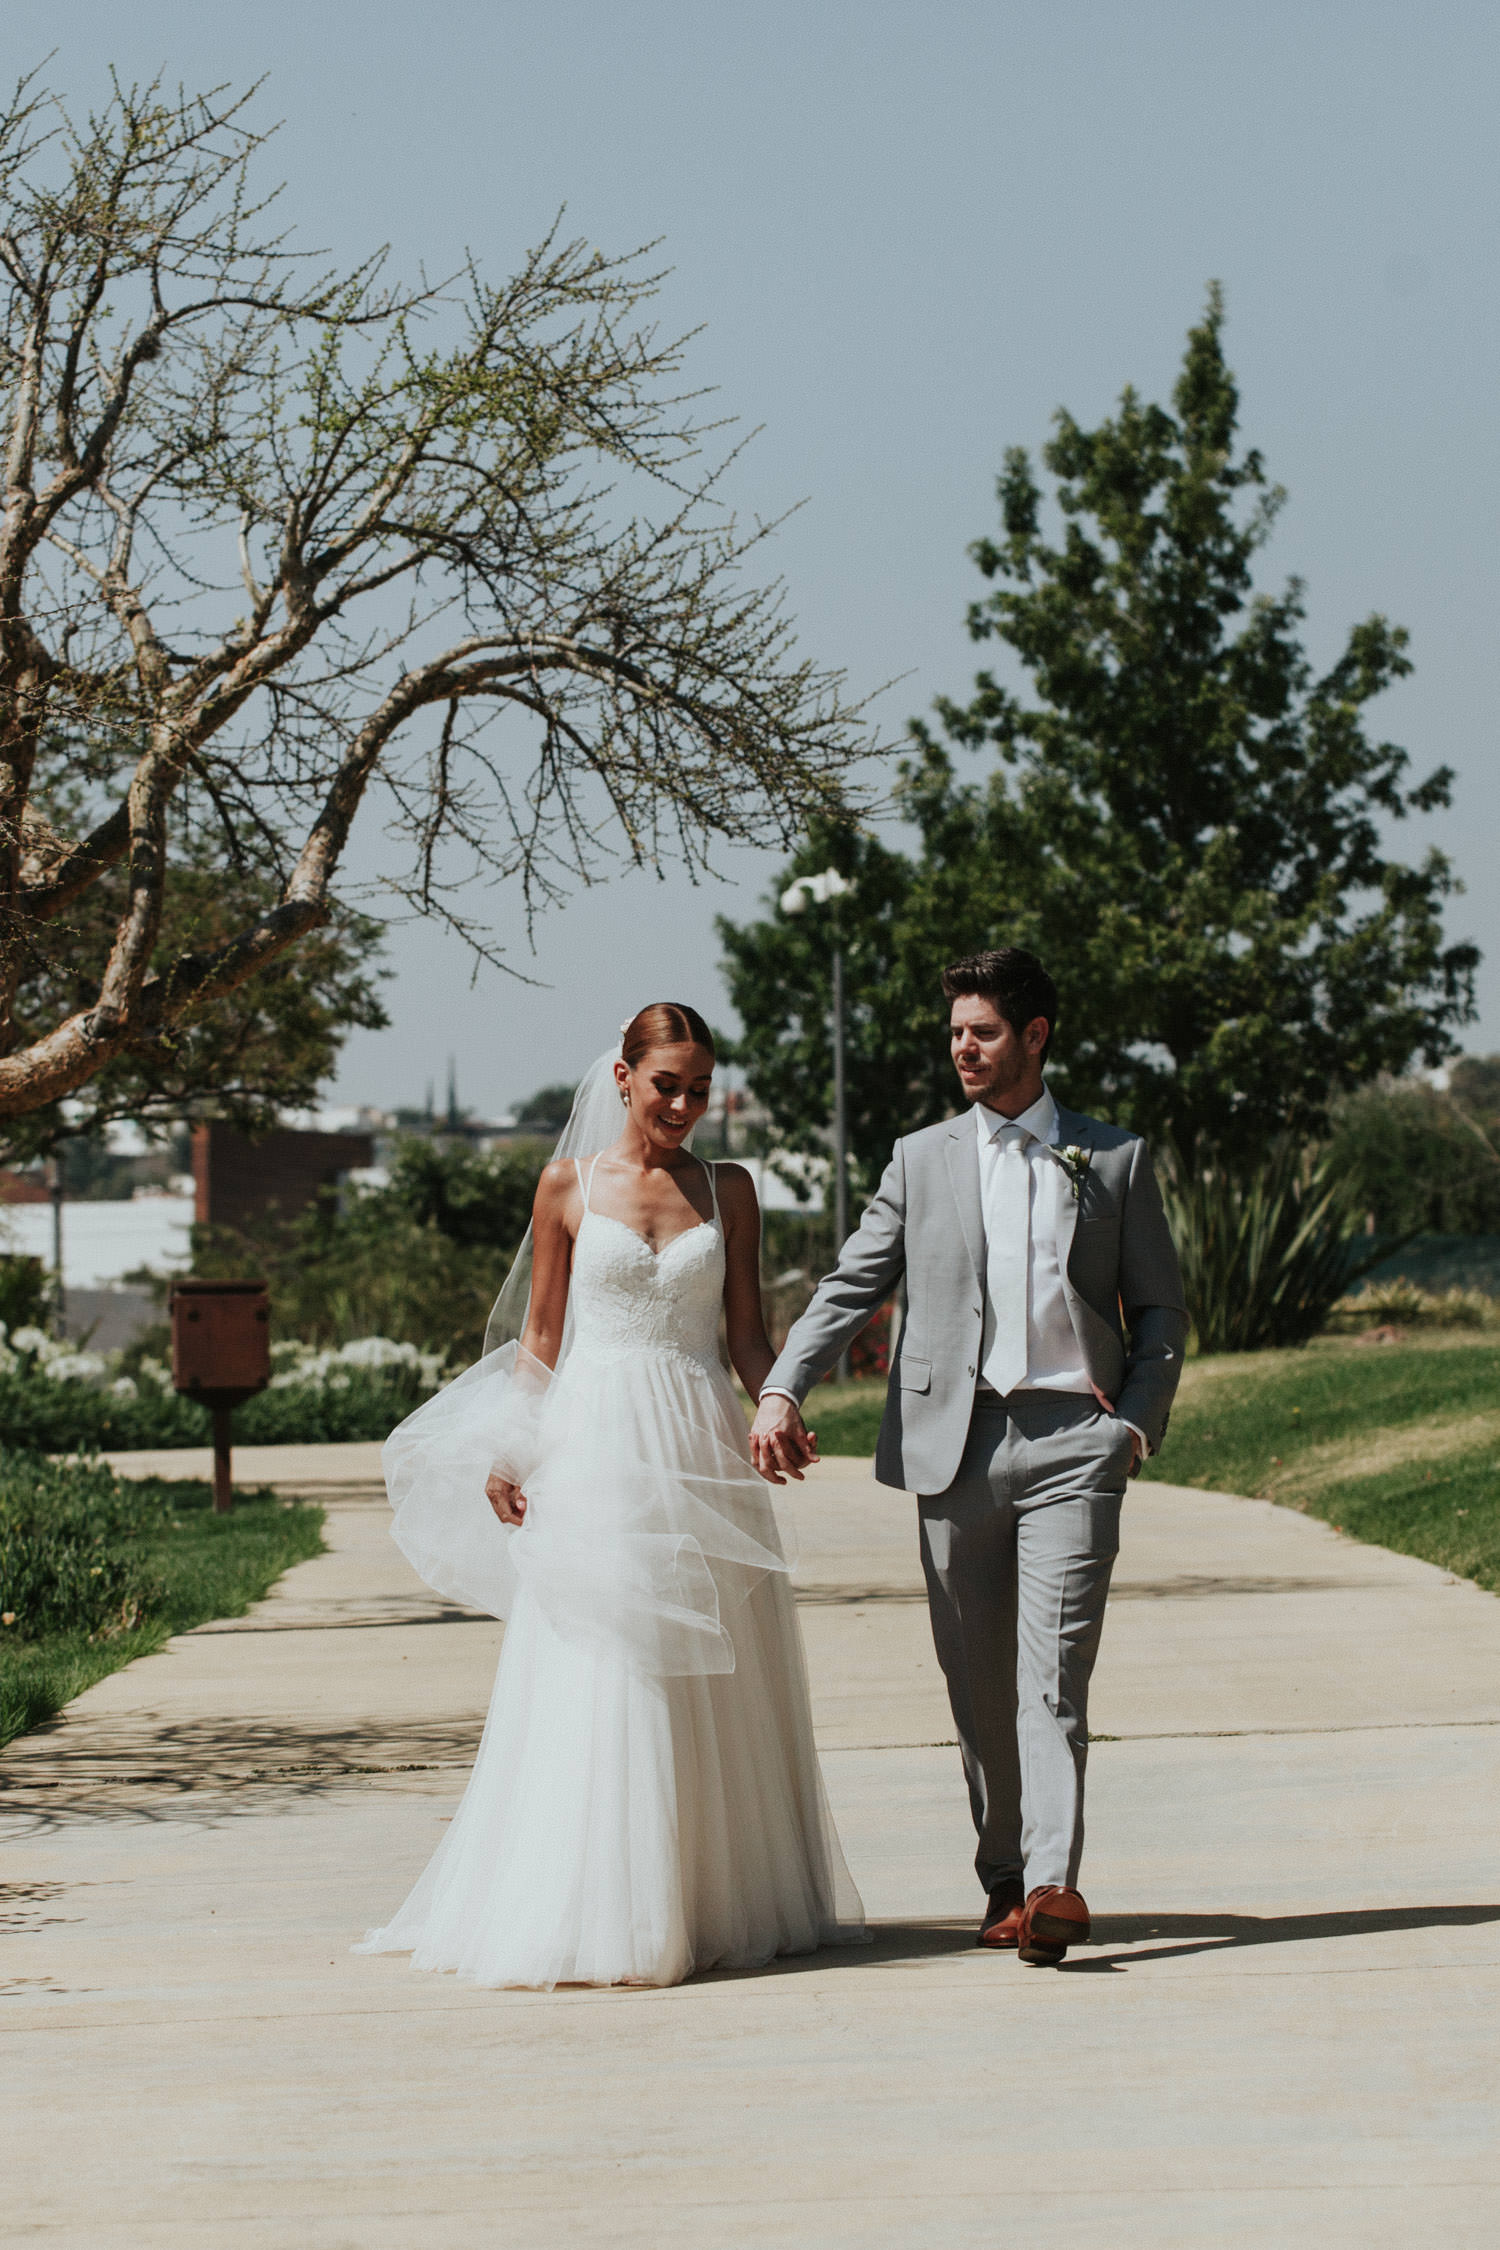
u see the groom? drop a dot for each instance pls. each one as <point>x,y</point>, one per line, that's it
<point>1042,1345</point>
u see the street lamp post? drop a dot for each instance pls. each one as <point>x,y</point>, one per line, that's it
<point>55,1190</point>
<point>826,890</point>
<point>840,1105</point>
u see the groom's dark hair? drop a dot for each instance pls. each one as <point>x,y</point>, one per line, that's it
<point>1014,979</point>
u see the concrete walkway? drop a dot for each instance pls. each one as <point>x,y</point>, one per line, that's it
<point>1287,2031</point>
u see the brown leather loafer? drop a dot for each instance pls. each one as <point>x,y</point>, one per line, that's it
<point>1053,1919</point>
<point>1001,1927</point>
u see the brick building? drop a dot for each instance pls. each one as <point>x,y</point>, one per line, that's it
<point>238,1181</point>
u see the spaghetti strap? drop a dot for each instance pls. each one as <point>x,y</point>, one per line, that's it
<point>584,1185</point>
<point>713,1188</point>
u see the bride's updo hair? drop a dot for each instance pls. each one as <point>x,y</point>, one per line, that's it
<point>666,1023</point>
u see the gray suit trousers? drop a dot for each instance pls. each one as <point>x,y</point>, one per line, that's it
<point>1018,1553</point>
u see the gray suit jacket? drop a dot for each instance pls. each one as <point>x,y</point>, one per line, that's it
<point>1123,1288</point>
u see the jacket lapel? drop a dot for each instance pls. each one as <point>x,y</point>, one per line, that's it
<point>1092,1330</point>
<point>961,1150</point>
<point>1072,1132</point>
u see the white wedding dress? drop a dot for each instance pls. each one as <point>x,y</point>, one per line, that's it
<point>647,1800</point>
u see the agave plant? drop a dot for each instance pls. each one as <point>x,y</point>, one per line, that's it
<point>1267,1249</point>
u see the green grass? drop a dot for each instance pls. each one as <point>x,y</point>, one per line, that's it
<point>203,1566</point>
<point>1396,1444</point>
<point>846,1416</point>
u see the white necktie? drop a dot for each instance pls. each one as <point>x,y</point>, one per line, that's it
<point>1008,1258</point>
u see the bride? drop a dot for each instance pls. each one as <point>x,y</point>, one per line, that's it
<point>646,1801</point>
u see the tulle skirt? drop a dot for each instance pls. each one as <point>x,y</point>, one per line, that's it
<point>647,1800</point>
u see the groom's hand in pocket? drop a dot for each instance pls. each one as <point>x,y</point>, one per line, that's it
<point>507,1500</point>
<point>781,1445</point>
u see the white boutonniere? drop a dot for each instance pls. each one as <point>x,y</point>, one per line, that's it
<point>1075,1161</point>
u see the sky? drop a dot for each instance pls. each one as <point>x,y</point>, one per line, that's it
<point>908,233</point>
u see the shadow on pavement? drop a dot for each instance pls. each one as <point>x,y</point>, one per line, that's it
<point>138,1766</point>
<point>1222,1933</point>
<point>1183,1935</point>
<point>890,1942</point>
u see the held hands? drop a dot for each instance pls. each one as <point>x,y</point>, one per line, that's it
<point>781,1445</point>
<point>507,1500</point>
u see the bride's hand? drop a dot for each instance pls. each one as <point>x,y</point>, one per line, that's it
<point>781,1445</point>
<point>507,1500</point>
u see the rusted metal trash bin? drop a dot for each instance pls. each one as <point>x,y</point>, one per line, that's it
<point>221,1355</point>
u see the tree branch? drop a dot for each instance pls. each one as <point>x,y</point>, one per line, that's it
<point>190,432</point>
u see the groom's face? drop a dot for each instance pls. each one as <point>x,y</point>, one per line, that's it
<point>995,1062</point>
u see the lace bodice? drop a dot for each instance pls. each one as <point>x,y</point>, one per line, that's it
<point>627,1297</point>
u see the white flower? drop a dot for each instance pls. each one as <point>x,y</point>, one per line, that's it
<point>304,1366</point>
<point>122,1387</point>
<point>33,1340</point>
<point>1075,1161</point>
<point>378,1351</point>
<point>77,1367</point>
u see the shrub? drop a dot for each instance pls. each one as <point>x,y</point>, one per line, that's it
<point>26,1291</point>
<point>1422,1159</point>
<point>1402,1303</point>
<point>57,1399</point>
<point>68,1548</point>
<point>1267,1250</point>
<point>105,1569</point>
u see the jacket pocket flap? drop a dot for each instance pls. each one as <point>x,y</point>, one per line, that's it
<point>916,1374</point>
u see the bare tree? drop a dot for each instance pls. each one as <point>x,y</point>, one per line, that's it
<point>260,519</point>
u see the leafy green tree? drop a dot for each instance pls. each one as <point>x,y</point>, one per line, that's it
<point>1191,817</point>
<point>1474,1083</point>
<point>482,1201</point>
<point>779,977</point>
<point>1184,820</point>
<point>249,1053</point>
<point>1421,1160</point>
<point>546,1111</point>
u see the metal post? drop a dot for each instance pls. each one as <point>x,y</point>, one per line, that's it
<point>55,1187</point>
<point>223,1482</point>
<point>840,1127</point>
<point>825,890</point>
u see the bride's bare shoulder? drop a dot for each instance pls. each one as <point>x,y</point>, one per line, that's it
<point>736,1188</point>
<point>557,1188</point>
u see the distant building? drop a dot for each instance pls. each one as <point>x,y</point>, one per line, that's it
<point>24,1187</point>
<point>238,1181</point>
<point>455,1124</point>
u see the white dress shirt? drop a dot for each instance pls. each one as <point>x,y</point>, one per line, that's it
<point>1054,1358</point>
<point>1054,1361</point>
